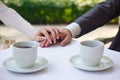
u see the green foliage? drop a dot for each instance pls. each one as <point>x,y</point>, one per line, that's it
<point>44,11</point>
<point>51,11</point>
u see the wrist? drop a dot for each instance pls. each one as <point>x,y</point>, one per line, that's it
<point>67,31</point>
<point>74,28</point>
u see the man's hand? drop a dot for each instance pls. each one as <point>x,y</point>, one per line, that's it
<point>65,36</point>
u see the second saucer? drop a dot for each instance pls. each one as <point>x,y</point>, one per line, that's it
<point>106,63</point>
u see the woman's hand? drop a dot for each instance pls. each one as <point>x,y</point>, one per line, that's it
<point>47,36</point>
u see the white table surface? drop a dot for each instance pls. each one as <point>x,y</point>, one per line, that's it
<point>59,67</point>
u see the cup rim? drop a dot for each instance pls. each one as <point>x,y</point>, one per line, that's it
<point>91,41</point>
<point>17,43</point>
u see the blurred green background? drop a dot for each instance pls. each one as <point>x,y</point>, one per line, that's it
<point>52,11</point>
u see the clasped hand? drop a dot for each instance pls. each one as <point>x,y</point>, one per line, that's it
<point>52,35</point>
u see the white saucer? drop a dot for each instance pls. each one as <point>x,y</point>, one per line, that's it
<point>105,64</point>
<point>10,65</point>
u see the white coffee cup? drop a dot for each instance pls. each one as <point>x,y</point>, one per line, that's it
<point>91,52</point>
<point>25,53</point>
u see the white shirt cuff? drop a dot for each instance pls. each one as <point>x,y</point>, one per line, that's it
<point>74,28</point>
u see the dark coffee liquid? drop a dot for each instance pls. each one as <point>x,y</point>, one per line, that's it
<point>23,46</point>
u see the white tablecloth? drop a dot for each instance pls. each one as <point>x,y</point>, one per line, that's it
<point>59,67</point>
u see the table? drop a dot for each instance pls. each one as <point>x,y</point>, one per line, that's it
<point>59,67</point>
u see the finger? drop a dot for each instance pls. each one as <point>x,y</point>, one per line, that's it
<point>65,41</point>
<point>46,34</point>
<point>47,44</point>
<point>42,44</point>
<point>53,34</point>
<point>57,31</point>
<point>40,38</point>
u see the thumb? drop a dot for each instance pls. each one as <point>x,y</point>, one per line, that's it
<point>65,41</point>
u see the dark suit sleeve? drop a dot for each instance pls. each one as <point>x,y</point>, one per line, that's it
<point>98,16</point>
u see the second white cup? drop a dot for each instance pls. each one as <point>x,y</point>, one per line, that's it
<point>91,52</point>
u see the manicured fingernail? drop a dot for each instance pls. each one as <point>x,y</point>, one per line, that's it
<point>57,37</point>
<point>50,41</point>
<point>54,41</point>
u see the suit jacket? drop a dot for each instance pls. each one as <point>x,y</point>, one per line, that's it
<point>98,16</point>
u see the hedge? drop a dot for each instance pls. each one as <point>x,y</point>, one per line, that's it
<point>49,11</point>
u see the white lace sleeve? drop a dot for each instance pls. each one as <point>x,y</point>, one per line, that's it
<point>11,18</point>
